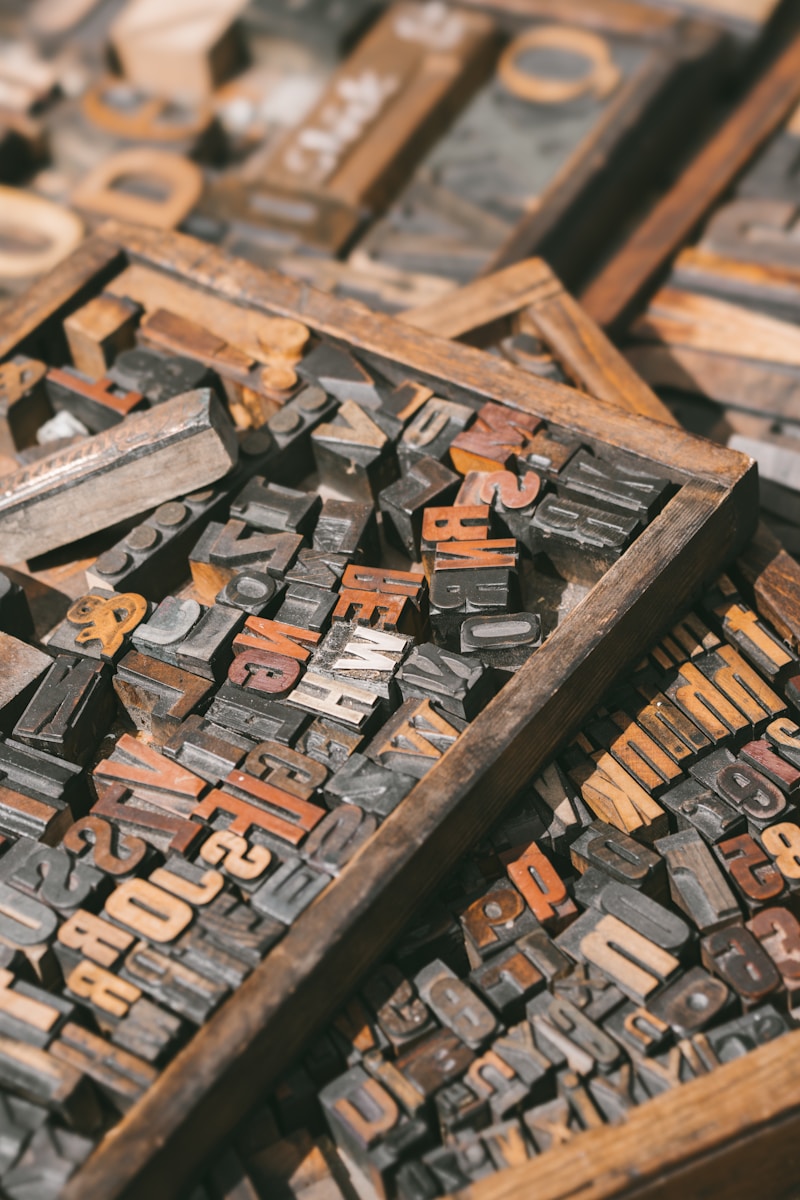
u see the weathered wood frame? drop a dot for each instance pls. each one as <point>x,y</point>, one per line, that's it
<point>255,1036</point>
<point>733,1132</point>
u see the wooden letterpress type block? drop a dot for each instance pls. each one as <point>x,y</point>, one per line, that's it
<point>496,1081</point>
<point>414,739</point>
<point>99,331</point>
<point>778,931</point>
<point>121,1077</point>
<point>782,842</point>
<point>372,787</point>
<point>119,473</point>
<point>435,1061</point>
<point>289,890</point>
<point>560,808</point>
<point>736,956</point>
<point>155,696</point>
<point>153,557</point>
<point>458,1108</point>
<point>353,454</point>
<point>542,887</point>
<point>696,883</point>
<point>86,936</point>
<point>99,624</point>
<point>581,541</point>
<point>739,1036</point>
<point>495,920</point>
<point>400,1013</point>
<point>638,1030</point>
<point>291,427</point>
<point>15,614</point>
<point>757,878</point>
<point>504,641</point>
<point>285,816</point>
<point>369,657</point>
<point>224,549</point>
<point>432,431</point>
<point>18,1121</point>
<point>341,375</point>
<point>206,749</point>
<point>495,439</point>
<point>157,828</point>
<point>428,482</point>
<point>158,377</point>
<point>380,1068</point>
<point>147,1031</point>
<point>23,403</point>
<point>154,779</point>
<point>354,707</point>
<point>338,837</point>
<point>97,403</point>
<point>693,1002</point>
<point>784,735</point>
<point>507,1144</point>
<point>547,452</point>
<point>25,669</point>
<point>306,606</point>
<point>629,959</point>
<point>723,695</point>
<point>184,634</point>
<point>459,685</point>
<point>30,1014</point>
<point>268,674</point>
<point>367,1122</point>
<point>634,749</point>
<point>613,794</point>
<point>751,637</point>
<point>508,980</point>
<point>454,1003</point>
<point>51,1157</point>
<point>36,1076</point>
<point>649,918</point>
<point>291,641</point>
<point>41,776</point>
<point>619,856</point>
<point>459,522</point>
<point>318,568</point>
<point>70,710</point>
<point>512,498</point>
<point>146,910</point>
<point>481,555</point>
<point>347,527</point>
<point>237,858</point>
<point>255,716</point>
<point>697,807</point>
<point>192,882</point>
<point>197,950</point>
<point>742,787</point>
<point>172,985</point>
<point>49,874</point>
<point>565,1034</point>
<point>762,755</point>
<point>287,769</point>
<point>252,592</point>
<point>276,509</point>
<point>459,594</point>
<point>602,484</point>
<point>589,989</point>
<point>666,723</point>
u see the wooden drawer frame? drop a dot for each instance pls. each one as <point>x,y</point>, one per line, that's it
<point>254,1037</point>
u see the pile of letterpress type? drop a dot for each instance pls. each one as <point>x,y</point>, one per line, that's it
<point>399,624</point>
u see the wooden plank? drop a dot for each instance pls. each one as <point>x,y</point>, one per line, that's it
<point>614,293</point>
<point>728,1134</point>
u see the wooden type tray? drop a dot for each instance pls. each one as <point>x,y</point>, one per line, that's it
<point>255,1035</point>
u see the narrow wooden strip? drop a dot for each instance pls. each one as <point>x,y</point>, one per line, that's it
<point>678,1134</point>
<point>623,283</point>
<point>481,302</point>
